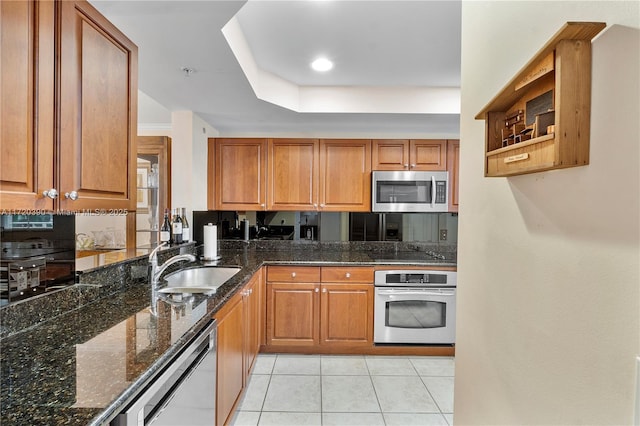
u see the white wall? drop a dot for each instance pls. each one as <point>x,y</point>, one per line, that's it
<point>548,263</point>
<point>189,161</point>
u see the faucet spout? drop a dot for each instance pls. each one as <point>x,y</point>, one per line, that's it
<point>155,270</point>
<point>175,259</point>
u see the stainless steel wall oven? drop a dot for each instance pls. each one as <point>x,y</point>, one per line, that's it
<point>415,307</point>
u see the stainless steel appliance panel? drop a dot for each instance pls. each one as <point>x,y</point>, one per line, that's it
<point>415,307</point>
<point>166,397</point>
<point>416,316</point>
<point>406,191</point>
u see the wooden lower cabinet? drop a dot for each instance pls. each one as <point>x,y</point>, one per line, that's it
<point>314,314</point>
<point>346,314</point>
<point>238,345</point>
<point>292,314</point>
<point>252,303</point>
<point>230,364</point>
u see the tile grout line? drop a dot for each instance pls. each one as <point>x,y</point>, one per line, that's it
<point>369,374</point>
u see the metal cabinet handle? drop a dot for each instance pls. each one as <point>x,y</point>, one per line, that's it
<point>317,289</point>
<point>413,165</point>
<point>293,275</point>
<point>51,193</point>
<point>348,275</point>
<point>73,195</point>
<point>324,290</point>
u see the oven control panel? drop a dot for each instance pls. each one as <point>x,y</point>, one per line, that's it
<point>415,278</point>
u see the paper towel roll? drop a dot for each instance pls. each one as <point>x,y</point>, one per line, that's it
<point>210,251</point>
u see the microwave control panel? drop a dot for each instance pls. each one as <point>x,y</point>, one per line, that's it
<point>441,192</point>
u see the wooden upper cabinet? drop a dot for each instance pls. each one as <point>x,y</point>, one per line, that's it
<point>79,142</point>
<point>345,175</point>
<point>390,154</point>
<point>293,168</point>
<point>414,154</point>
<point>427,154</point>
<point>240,174</point>
<point>27,96</point>
<point>98,110</point>
<point>453,166</point>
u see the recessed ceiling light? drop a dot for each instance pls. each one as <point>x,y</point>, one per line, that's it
<point>322,64</point>
<point>187,71</point>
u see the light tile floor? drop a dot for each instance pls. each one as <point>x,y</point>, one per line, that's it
<point>348,390</point>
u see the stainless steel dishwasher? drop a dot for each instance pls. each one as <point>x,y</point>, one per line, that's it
<point>185,389</point>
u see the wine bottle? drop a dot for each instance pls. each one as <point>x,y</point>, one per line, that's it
<point>165,230</point>
<point>176,227</point>
<point>186,231</point>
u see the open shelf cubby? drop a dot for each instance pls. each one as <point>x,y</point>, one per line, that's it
<point>540,120</point>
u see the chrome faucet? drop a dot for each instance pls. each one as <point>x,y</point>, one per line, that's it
<point>155,271</point>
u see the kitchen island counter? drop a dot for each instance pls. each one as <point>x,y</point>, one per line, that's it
<point>82,366</point>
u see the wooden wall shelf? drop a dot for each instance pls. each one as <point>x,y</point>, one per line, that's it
<point>556,83</point>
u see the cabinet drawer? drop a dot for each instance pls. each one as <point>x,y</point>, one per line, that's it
<point>347,274</point>
<point>533,155</point>
<point>290,274</point>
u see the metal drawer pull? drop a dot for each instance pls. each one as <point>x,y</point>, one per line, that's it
<point>348,275</point>
<point>293,275</point>
<point>73,195</point>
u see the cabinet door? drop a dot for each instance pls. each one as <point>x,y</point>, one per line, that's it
<point>453,166</point>
<point>27,111</point>
<point>230,364</point>
<point>390,154</point>
<point>240,174</point>
<point>98,111</point>
<point>252,321</point>
<point>345,175</point>
<point>293,174</point>
<point>346,314</point>
<point>292,314</point>
<point>427,154</point>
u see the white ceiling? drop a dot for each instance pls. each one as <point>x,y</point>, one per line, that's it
<point>384,52</point>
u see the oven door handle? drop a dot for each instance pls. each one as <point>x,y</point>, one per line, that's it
<point>392,293</point>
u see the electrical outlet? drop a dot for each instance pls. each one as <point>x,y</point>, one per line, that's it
<point>443,235</point>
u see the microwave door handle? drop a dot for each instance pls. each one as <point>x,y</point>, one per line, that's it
<point>433,190</point>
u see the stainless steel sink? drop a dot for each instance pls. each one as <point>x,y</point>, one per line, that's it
<point>197,280</point>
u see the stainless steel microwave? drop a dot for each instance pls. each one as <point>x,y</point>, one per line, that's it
<point>407,191</point>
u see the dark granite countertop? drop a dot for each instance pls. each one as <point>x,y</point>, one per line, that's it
<point>82,366</point>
